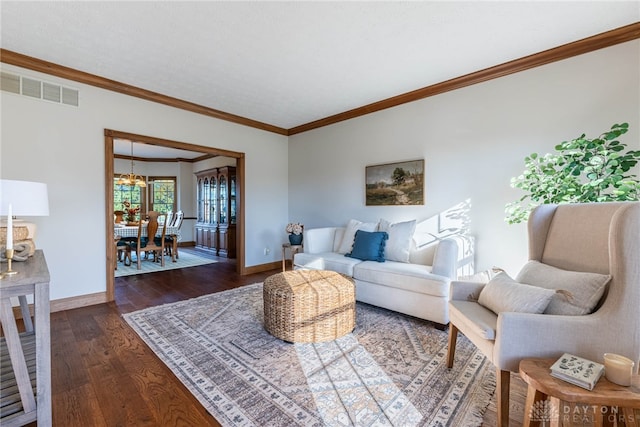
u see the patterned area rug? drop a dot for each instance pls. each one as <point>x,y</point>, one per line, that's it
<point>390,371</point>
<point>147,266</point>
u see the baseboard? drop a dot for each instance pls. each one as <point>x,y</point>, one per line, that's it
<point>186,244</point>
<point>261,267</point>
<point>79,301</point>
<point>67,303</point>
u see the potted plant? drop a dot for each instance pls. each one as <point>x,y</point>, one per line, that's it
<point>295,232</point>
<point>582,170</point>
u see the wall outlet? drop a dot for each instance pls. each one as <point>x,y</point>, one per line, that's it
<point>266,251</point>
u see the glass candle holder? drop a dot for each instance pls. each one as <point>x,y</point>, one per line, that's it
<point>618,369</point>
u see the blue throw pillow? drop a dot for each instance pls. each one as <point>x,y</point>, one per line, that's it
<point>369,245</point>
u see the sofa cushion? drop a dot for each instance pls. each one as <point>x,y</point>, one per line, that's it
<point>350,233</point>
<point>326,261</point>
<point>503,294</point>
<point>400,239</point>
<point>410,277</point>
<point>369,246</point>
<point>469,315</point>
<point>585,288</point>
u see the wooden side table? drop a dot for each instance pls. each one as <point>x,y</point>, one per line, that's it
<point>18,404</point>
<point>611,404</point>
<point>294,249</point>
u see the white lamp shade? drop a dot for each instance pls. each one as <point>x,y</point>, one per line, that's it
<point>26,198</point>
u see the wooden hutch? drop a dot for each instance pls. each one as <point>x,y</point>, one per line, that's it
<point>215,228</point>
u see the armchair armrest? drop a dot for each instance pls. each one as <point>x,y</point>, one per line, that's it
<point>520,335</point>
<point>465,291</point>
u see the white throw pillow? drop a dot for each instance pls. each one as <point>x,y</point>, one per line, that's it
<point>399,243</point>
<point>503,294</point>
<point>585,288</point>
<point>350,233</point>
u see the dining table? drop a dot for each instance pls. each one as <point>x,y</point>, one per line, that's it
<point>124,230</point>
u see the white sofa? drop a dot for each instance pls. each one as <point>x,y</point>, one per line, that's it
<point>418,288</point>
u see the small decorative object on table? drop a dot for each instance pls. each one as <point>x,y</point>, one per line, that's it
<point>131,212</point>
<point>618,369</point>
<point>118,217</point>
<point>577,371</point>
<point>295,232</point>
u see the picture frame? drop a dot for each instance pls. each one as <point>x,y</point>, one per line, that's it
<point>395,184</point>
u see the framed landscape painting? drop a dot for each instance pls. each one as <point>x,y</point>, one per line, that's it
<point>395,184</point>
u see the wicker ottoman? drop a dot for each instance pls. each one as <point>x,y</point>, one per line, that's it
<point>309,305</point>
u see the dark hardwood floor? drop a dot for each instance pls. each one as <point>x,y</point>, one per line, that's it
<point>103,374</point>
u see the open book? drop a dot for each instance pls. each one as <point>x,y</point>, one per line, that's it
<point>577,370</point>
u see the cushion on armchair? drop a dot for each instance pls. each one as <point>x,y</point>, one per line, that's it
<point>503,294</point>
<point>584,289</point>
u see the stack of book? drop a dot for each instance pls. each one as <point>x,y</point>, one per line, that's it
<point>577,370</point>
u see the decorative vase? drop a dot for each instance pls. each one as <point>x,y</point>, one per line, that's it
<point>119,217</point>
<point>295,239</point>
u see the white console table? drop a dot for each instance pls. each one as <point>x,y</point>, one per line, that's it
<point>25,389</point>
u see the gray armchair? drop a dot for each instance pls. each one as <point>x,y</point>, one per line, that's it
<point>598,238</point>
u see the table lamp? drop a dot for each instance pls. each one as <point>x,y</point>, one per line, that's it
<point>21,198</point>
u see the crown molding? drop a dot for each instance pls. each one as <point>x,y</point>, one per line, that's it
<point>586,45</point>
<point>35,64</point>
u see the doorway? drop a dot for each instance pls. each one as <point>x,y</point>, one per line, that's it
<point>109,137</point>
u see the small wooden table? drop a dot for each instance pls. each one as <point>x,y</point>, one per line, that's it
<point>26,356</point>
<point>294,250</point>
<point>611,404</point>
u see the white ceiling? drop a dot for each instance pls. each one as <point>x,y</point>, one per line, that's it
<point>290,63</point>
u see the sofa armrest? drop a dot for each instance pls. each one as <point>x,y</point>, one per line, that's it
<point>318,240</point>
<point>465,291</point>
<point>445,260</point>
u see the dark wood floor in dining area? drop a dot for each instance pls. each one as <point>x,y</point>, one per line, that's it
<point>103,374</point>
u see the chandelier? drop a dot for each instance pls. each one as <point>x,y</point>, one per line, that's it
<point>131,178</point>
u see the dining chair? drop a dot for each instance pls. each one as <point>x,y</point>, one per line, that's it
<point>118,251</point>
<point>170,218</point>
<point>150,242</point>
<point>123,250</point>
<point>169,240</point>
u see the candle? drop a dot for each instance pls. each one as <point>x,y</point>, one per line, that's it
<point>9,229</point>
<point>618,369</point>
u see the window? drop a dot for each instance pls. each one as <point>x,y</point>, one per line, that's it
<point>162,197</point>
<point>134,194</point>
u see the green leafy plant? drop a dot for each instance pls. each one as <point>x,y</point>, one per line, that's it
<point>582,170</point>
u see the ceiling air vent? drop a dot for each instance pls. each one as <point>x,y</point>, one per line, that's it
<point>70,96</point>
<point>33,88</point>
<point>9,82</point>
<point>51,92</point>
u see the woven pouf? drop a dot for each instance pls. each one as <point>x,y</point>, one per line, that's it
<point>309,305</point>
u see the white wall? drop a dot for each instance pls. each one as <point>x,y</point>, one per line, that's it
<point>473,141</point>
<point>63,146</point>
